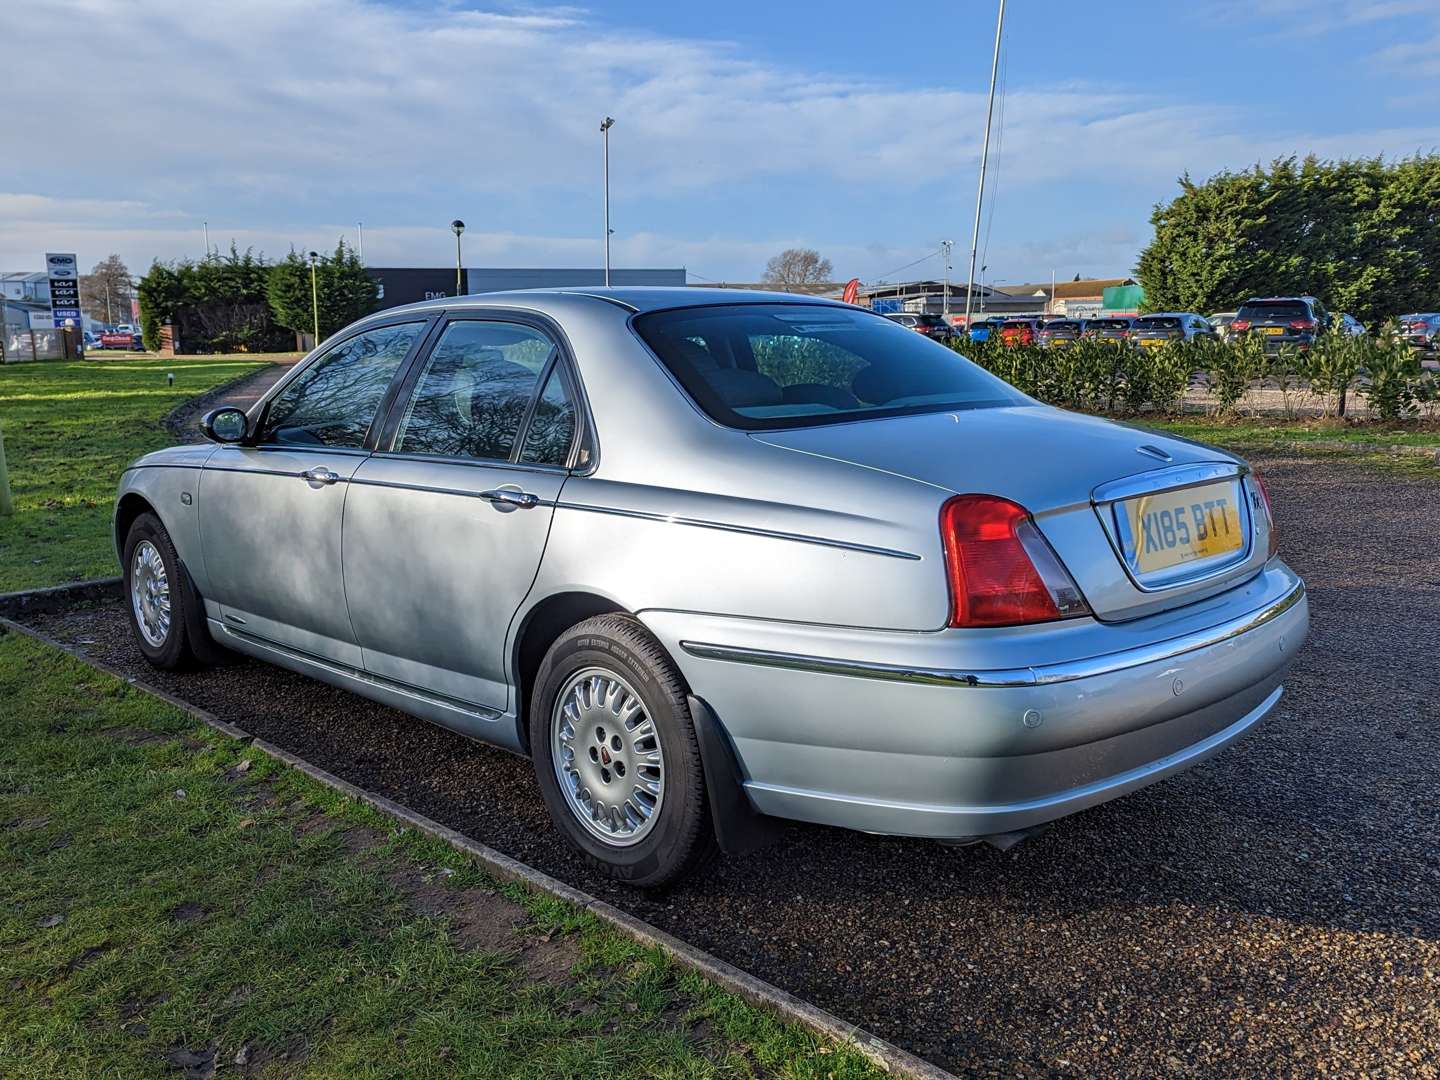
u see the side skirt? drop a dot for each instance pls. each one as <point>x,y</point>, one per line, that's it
<point>476,722</point>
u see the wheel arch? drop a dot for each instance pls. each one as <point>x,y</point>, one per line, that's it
<point>129,507</point>
<point>542,624</point>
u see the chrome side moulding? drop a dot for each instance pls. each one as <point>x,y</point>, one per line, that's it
<point>774,534</point>
<point>1045,675</point>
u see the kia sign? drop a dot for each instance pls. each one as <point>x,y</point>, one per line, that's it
<point>64,274</point>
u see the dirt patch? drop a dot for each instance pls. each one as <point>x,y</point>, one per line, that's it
<point>478,920</point>
<point>86,955</point>
<point>549,960</point>
<point>187,912</point>
<point>133,736</point>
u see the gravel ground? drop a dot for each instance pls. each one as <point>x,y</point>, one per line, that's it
<point>1274,911</point>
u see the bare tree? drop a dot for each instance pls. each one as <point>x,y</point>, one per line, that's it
<point>105,292</point>
<point>794,268</point>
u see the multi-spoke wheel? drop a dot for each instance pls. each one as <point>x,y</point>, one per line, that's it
<point>607,756</point>
<point>615,752</point>
<point>166,613</point>
<point>150,594</point>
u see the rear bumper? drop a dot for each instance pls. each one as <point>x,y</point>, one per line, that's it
<point>917,739</point>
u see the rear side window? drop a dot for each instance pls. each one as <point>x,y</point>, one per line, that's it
<point>759,366</point>
<point>475,391</point>
<point>333,401</point>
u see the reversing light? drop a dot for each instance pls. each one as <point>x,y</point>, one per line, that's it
<point>1001,570</point>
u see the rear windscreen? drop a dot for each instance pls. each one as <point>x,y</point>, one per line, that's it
<point>1158,322</point>
<point>1274,309</point>
<point>1108,324</point>
<point>765,365</point>
<point>1064,327</point>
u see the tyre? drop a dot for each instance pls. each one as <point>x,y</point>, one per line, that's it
<point>615,753</point>
<point>167,616</point>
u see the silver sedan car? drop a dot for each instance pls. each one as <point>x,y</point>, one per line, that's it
<point>716,559</point>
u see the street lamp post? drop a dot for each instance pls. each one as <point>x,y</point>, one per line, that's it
<point>945,246</point>
<point>315,294</point>
<point>605,126</point>
<point>457,227</point>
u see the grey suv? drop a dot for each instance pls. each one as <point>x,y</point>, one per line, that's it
<point>1282,320</point>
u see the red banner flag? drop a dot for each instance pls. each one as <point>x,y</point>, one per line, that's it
<point>852,291</point>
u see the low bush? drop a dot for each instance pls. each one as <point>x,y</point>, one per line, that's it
<point>1105,376</point>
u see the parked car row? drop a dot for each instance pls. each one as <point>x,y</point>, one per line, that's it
<point>1278,321</point>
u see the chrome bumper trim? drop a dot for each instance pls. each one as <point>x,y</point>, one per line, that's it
<point>1045,675</point>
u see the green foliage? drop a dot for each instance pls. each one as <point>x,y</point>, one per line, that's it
<point>1331,366</point>
<point>215,305</point>
<point>1169,367</point>
<point>1363,235</point>
<point>1392,377</point>
<point>1104,376</point>
<point>343,291</point>
<point>1232,368</point>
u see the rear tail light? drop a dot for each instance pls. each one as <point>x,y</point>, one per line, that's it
<point>1302,324</point>
<point>1240,324</point>
<point>1269,516</point>
<point>1001,570</point>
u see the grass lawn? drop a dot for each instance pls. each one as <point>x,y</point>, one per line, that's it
<point>69,429</point>
<point>174,902</point>
<point>1368,440</point>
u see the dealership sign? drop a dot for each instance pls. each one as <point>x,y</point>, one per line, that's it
<point>64,274</point>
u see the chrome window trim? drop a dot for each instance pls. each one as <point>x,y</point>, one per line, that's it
<point>1043,675</point>
<point>775,534</point>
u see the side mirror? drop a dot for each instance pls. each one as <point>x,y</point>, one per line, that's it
<point>225,425</point>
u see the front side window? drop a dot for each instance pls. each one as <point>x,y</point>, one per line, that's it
<point>754,366</point>
<point>333,401</point>
<point>475,391</point>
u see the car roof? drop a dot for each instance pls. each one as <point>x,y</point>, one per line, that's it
<point>635,298</point>
<point>1281,299</point>
<point>1170,315</point>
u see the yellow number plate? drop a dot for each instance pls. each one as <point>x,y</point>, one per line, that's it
<point>1152,342</point>
<point>1172,528</point>
<point>1277,330</point>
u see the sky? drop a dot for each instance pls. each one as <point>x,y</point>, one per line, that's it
<point>741,128</point>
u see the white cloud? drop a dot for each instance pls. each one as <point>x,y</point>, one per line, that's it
<point>283,108</point>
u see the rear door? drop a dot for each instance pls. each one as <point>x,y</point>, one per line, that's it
<point>446,522</point>
<point>270,514</point>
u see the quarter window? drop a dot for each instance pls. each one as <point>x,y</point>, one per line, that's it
<point>475,391</point>
<point>333,402</point>
<point>552,425</point>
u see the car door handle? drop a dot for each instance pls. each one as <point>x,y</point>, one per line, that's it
<point>320,475</point>
<point>511,497</point>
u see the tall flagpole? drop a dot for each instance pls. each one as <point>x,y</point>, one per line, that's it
<point>984,160</point>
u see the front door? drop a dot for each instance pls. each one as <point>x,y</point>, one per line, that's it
<point>271,513</point>
<point>445,529</point>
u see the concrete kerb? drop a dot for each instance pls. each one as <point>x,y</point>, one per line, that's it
<point>884,1055</point>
